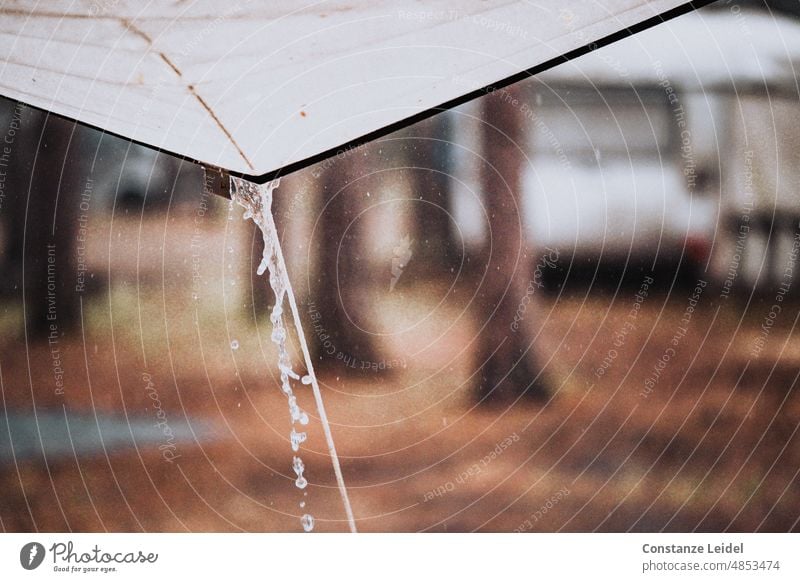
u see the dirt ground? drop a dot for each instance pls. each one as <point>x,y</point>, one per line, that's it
<point>705,441</point>
<point>712,447</point>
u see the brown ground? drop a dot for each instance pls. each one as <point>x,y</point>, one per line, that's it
<point>714,447</point>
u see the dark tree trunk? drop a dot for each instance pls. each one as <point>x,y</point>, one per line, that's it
<point>47,183</point>
<point>430,185</point>
<point>51,268</point>
<point>509,367</point>
<point>338,307</point>
<point>17,166</point>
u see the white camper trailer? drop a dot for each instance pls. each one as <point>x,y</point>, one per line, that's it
<point>663,148</point>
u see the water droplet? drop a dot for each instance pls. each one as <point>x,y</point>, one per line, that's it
<point>297,438</point>
<point>299,467</point>
<point>278,335</point>
<point>306,380</point>
<point>296,413</point>
<point>235,345</point>
<point>289,372</point>
<point>302,504</point>
<point>308,522</point>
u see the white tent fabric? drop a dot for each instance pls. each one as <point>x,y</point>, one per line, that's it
<point>255,87</point>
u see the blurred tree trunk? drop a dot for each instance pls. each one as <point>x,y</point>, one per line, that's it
<point>430,184</point>
<point>506,355</point>
<point>47,182</point>
<point>338,303</point>
<point>18,158</point>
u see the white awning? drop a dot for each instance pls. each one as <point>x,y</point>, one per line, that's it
<point>256,87</point>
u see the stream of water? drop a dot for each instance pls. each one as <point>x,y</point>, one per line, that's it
<point>257,202</point>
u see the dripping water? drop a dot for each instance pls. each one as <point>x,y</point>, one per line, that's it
<point>257,202</point>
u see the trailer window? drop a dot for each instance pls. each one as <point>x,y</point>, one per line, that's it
<point>584,126</point>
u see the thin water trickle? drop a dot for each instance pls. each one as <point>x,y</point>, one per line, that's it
<point>257,202</point>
